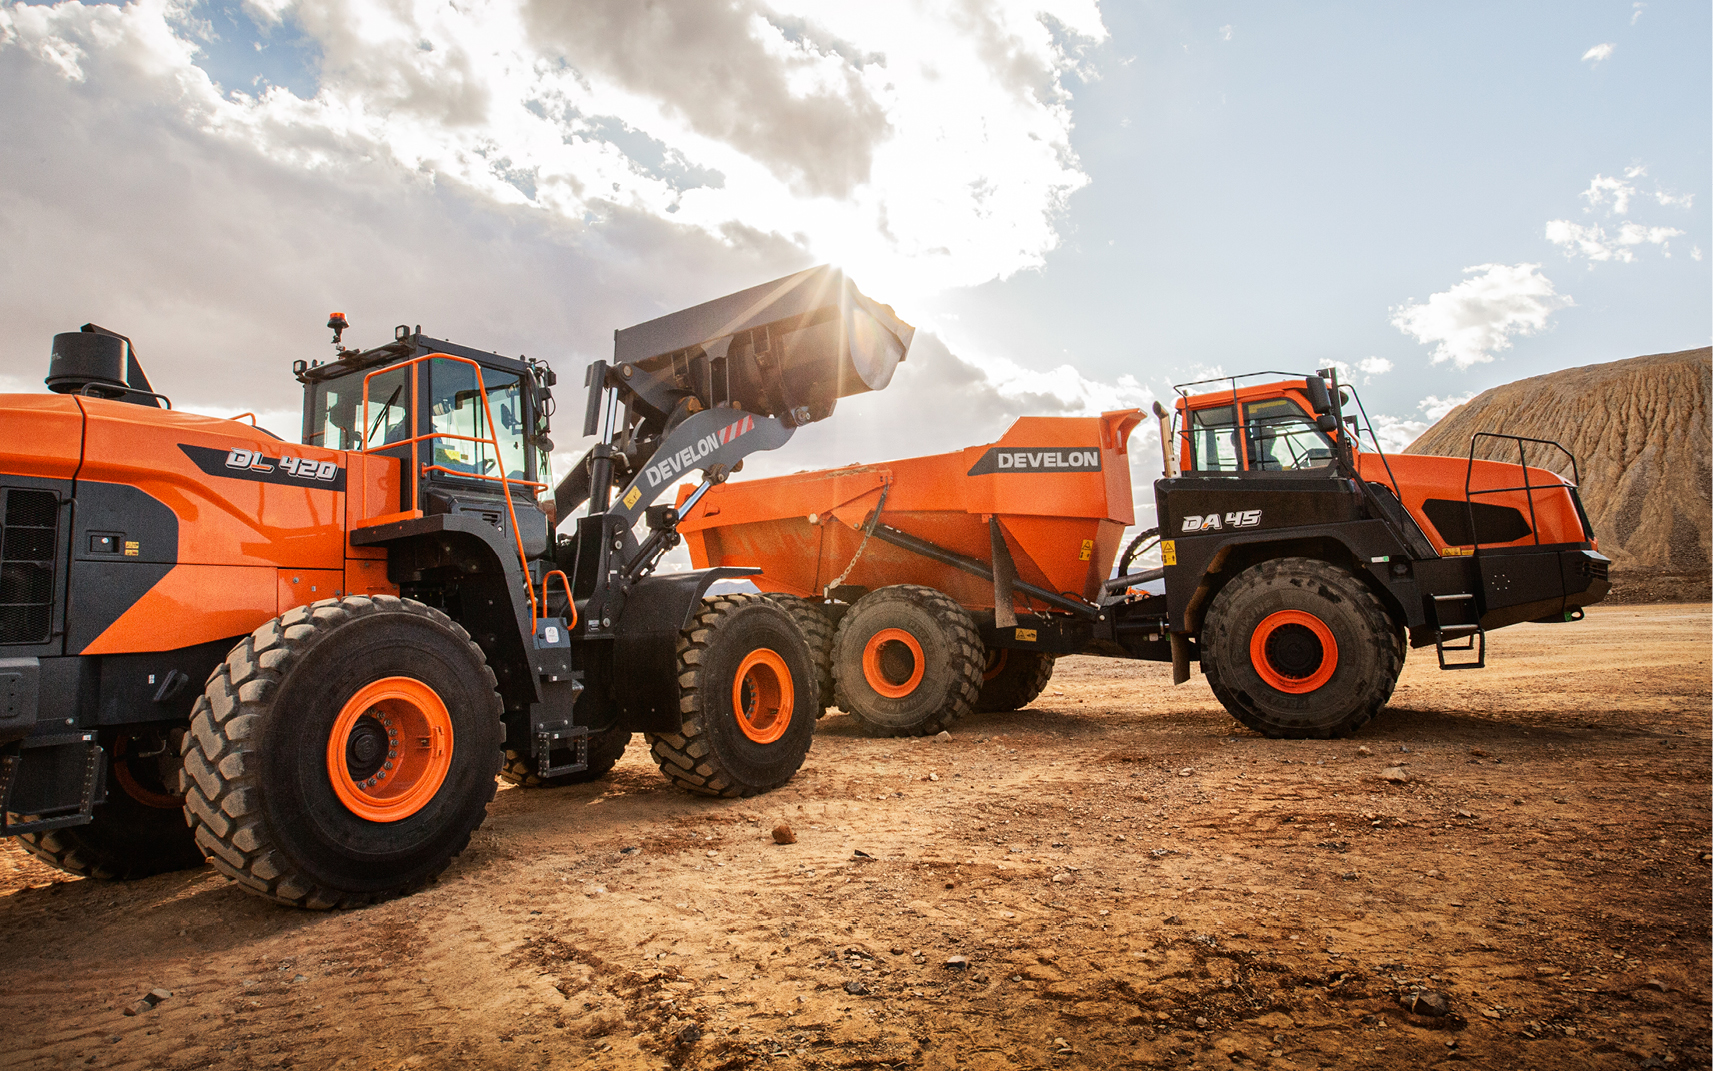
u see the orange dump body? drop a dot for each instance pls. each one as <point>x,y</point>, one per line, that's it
<point>1059,487</point>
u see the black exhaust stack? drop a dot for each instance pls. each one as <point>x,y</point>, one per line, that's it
<point>99,362</point>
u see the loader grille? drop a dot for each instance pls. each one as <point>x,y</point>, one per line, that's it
<point>29,527</point>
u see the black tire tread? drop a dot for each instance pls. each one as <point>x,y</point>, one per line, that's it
<point>1381,635</point>
<point>686,758</point>
<point>1025,675</point>
<point>818,630</point>
<point>219,778</point>
<point>969,658</point>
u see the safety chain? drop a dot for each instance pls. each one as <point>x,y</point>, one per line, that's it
<point>868,530</point>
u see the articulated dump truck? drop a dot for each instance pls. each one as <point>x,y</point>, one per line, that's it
<point>307,662</point>
<point>1296,566</point>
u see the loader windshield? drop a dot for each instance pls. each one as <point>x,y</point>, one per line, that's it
<point>459,416</point>
<point>337,418</point>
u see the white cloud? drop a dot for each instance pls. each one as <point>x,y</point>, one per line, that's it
<point>926,141</point>
<point>1478,317</point>
<point>1599,52</point>
<point>1620,191</point>
<point>1593,242</point>
<point>1636,15</point>
<point>1225,33</point>
<point>1396,433</point>
<point>1374,366</point>
<point>1666,200</point>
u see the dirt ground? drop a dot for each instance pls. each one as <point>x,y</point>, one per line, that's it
<point>1117,877</point>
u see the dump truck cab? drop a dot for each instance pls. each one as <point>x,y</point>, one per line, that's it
<point>1270,492</point>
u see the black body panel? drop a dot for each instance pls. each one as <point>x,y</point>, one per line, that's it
<point>657,611</point>
<point>123,542</point>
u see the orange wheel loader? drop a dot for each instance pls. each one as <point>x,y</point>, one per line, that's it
<point>1296,566</point>
<point>309,661</point>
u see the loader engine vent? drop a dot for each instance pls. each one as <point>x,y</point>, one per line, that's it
<point>29,527</point>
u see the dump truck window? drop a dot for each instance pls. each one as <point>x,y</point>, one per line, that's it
<point>458,411</point>
<point>1214,439</point>
<point>336,415</point>
<point>1283,438</point>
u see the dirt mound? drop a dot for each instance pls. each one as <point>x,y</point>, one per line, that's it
<point>1639,429</point>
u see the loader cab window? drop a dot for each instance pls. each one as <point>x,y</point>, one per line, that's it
<point>1282,437</point>
<point>339,419</point>
<point>1214,439</point>
<point>458,416</point>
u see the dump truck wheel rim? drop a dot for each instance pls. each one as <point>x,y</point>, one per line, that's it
<point>1293,651</point>
<point>995,663</point>
<point>882,663</point>
<point>390,749</point>
<point>763,696</point>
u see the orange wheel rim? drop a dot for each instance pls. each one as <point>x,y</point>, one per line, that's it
<point>138,791</point>
<point>1293,651</point>
<point>390,749</point>
<point>995,663</point>
<point>884,663</point>
<point>762,695</point>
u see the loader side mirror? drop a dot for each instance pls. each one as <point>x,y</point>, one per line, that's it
<point>1319,398</point>
<point>1326,422</point>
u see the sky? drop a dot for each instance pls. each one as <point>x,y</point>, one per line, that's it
<point>1078,204</point>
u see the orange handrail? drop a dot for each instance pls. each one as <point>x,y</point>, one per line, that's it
<point>569,601</point>
<point>504,481</point>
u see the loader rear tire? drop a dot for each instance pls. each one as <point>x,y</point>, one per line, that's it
<point>1300,649</point>
<point>138,832</point>
<point>907,661</point>
<point>746,687</point>
<point>605,750</point>
<point>343,753</point>
<point>818,630</point>
<point>1012,679</point>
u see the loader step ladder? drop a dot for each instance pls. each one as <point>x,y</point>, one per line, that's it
<point>550,738</point>
<point>1465,626</point>
<point>92,757</point>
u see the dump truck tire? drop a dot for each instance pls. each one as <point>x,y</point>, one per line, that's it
<point>907,661</point>
<point>1300,649</point>
<point>818,629</point>
<point>139,831</point>
<point>1012,679</point>
<point>605,750</point>
<point>1144,542</point>
<point>343,753</point>
<point>746,686</point>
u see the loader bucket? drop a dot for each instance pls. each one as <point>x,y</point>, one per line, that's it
<point>789,349</point>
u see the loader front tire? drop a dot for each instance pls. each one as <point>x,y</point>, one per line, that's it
<point>818,629</point>
<point>747,700</point>
<point>1012,679</point>
<point>343,753</point>
<point>140,830</point>
<point>605,750</point>
<point>907,661</point>
<point>1300,649</point>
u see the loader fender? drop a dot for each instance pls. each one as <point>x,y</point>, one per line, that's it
<point>486,558</point>
<point>657,609</point>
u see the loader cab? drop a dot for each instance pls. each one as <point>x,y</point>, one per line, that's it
<point>457,419</point>
<point>1268,428</point>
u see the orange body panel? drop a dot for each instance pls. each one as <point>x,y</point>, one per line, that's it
<point>368,576</point>
<point>43,435</point>
<point>221,520</point>
<point>1062,512</point>
<point>300,587</point>
<point>1419,477</point>
<point>1423,476</point>
<point>193,604</point>
<point>239,540</point>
